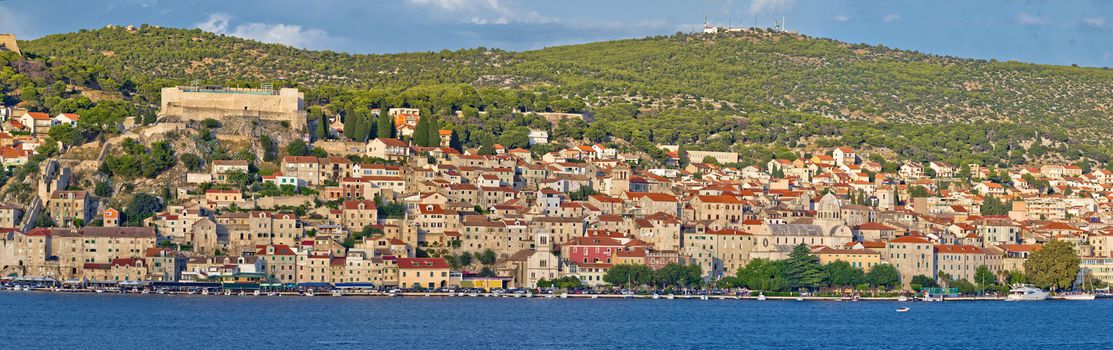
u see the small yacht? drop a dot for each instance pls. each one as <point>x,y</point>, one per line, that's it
<point>1079,296</point>
<point>903,309</point>
<point>902,298</point>
<point>1082,294</point>
<point>761,297</point>
<point>1026,293</point>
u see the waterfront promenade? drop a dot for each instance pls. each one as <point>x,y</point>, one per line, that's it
<point>558,295</point>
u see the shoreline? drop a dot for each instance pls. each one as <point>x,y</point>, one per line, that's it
<point>609,296</point>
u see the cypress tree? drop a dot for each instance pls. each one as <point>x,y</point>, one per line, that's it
<point>385,127</point>
<point>421,132</point>
<point>322,127</point>
<point>434,132</point>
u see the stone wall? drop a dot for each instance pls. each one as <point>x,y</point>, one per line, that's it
<point>342,148</point>
<point>8,43</point>
<point>285,105</point>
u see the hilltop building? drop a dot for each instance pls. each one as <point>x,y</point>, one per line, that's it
<point>202,102</point>
<point>8,43</point>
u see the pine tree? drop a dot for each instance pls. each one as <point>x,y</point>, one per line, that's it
<point>803,269</point>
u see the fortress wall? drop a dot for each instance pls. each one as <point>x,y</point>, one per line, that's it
<point>287,105</point>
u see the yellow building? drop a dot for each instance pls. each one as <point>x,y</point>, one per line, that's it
<point>422,273</point>
<point>485,283</point>
<point>864,259</point>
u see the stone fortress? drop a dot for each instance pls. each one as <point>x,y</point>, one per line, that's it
<point>8,43</point>
<point>201,102</point>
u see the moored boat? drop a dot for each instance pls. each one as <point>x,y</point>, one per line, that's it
<point>1079,296</point>
<point>1026,293</point>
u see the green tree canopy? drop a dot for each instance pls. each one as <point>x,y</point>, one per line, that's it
<point>884,275</point>
<point>1054,266</point>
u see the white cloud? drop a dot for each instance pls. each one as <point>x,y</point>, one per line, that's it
<point>276,33</point>
<point>842,18</point>
<point>483,12</point>
<point>217,23</point>
<point>1027,19</point>
<point>892,17</point>
<point>760,6</point>
<point>1095,22</point>
<point>286,34</point>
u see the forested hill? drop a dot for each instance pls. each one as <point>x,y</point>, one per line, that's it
<point>759,93</point>
<point>782,70</point>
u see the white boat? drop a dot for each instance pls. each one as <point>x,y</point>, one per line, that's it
<point>902,298</point>
<point>903,309</point>
<point>1026,293</point>
<point>761,297</point>
<point>309,293</point>
<point>255,293</point>
<point>205,291</point>
<point>1080,296</point>
<point>702,297</point>
<point>1083,294</point>
<point>655,297</point>
<point>799,299</point>
<point>670,297</point>
<point>227,292</point>
<point>563,295</point>
<point>337,293</point>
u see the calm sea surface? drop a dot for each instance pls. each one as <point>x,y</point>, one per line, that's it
<point>31,320</point>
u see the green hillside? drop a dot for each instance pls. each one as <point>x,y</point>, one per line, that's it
<point>760,93</point>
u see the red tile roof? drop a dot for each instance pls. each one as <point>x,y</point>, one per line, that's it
<point>422,263</point>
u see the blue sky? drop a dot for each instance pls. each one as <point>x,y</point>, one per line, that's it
<point>1055,32</point>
